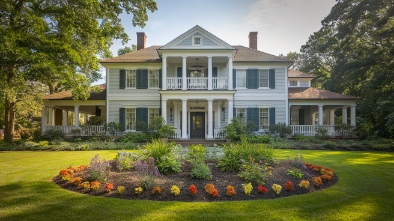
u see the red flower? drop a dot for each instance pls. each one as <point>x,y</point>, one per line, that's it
<point>214,192</point>
<point>289,186</point>
<point>193,189</point>
<point>109,186</point>
<point>262,189</point>
<point>326,177</point>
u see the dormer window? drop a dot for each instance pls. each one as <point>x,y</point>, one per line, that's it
<point>293,83</point>
<point>197,40</point>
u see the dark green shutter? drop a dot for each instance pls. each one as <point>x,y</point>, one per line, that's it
<point>142,79</point>
<point>179,72</point>
<point>252,116</point>
<point>234,112</point>
<point>301,117</point>
<point>272,78</point>
<point>272,115</point>
<point>141,117</point>
<point>252,78</point>
<point>122,119</point>
<point>215,72</point>
<point>122,79</point>
<point>160,79</point>
<point>234,78</point>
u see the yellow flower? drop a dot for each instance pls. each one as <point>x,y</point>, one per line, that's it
<point>175,190</point>
<point>247,188</point>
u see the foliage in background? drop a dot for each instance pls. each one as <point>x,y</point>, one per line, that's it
<point>280,129</point>
<point>235,130</point>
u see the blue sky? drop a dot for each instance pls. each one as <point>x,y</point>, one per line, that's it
<point>282,25</point>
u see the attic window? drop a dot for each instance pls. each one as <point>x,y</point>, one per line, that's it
<point>293,83</point>
<point>197,40</point>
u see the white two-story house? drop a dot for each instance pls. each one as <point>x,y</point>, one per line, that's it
<point>198,83</point>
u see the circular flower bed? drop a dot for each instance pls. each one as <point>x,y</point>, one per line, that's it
<point>283,180</point>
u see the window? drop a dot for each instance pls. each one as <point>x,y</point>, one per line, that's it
<point>263,119</point>
<point>241,78</point>
<point>263,78</point>
<point>241,115</point>
<point>153,114</point>
<point>154,78</point>
<point>131,78</point>
<point>293,84</point>
<point>304,83</point>
<point>130,119</point>
<point>197,40</point>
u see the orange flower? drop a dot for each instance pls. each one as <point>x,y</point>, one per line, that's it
<point>156,190</point>
<point>214,192</point>
<point>317,181</point>
<point>76,181</point>
<point>95,185</point>
<point>193,189</point>
<point>209,187</point>
<point>109,186</point>
<point>230,191</point>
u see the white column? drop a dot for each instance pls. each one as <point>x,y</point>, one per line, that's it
<point>344,115</point>
<point>76,116</point>
<point>43,118</point>
<point>209,72</point>
<point>184,76</point>
<point>230,73</point>
<point>64,117</point>
<point>51,116</point>
<point>164,73</point>
<point>332,117</point>
<point>184,119</point>
<point>320,115</point>
<point>210,119</point>
<point>230,111</point>
<point>164,110</point>
<point>353,115</point>
<point>176,114</point>
<point>218,111</point>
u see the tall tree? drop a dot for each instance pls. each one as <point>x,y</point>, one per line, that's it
<point>353,54</point>
<point>127,49</point>
<point>58,41</point>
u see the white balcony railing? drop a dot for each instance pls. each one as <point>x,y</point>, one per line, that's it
<point>197,83</point>
<point>327,130</point>
<point>87,130</point>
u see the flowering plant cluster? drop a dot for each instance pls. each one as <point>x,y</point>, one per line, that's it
<point>214,192</point>
<point>85,185</point>
<point>109,187</point>
<point>76,181</point>
<point>98,170</point>
<point>289,186</point>
<point>77,168</point>
<point>120,189</point>
<point>277,188</point>
<point>317,181</point>
<point>175,190</point>
<point>230,191</point>
<point>156,190</point>
<point>66,174</point>
<point>138,190</point>
<point>326,174</point>
<point>247,188</point>
<point>95,185</point>
<point>262,189</point>
<point>304,184</point>
<point>209,187</point>
<point>193,189</point>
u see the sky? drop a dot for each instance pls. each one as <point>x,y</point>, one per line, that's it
<point>282,25</point>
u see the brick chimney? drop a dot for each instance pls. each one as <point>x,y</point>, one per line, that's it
<point>141,40</point>
<point>253,39</point>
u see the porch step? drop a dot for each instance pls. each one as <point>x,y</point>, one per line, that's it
<point>204,142</point>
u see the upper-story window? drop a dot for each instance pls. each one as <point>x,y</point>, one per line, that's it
<point>197,40</point>
<point>131,78</point>
<point>264,76</point>
<point>293,83</point>
<point>142,78</point>
<point>241,78</point>
<point>154,78</point>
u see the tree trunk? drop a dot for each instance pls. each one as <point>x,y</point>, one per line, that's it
<point>9,121</point>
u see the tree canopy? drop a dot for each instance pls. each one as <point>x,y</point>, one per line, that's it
<point>127,49</point>
<point>58,43</point>
<point>353,54</point>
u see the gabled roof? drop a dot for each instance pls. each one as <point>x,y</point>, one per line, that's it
<point>310,93</point>
<point>209,40</point>
<point>249,54</point>
<point>148,54</point>
<point>67,95</point>
<point>298,74</point>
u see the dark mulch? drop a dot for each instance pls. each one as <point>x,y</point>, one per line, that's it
<point>183,180</point>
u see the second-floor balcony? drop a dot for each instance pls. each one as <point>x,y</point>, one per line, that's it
<point>197,83</point>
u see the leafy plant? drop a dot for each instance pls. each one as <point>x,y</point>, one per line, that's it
<point>175,190</point>
<point>113,128</point>
<point>304,184</point>
<point>98,170</point>
<point>54,135</point>
<point>134,137</point>
<point>201,171</point>
<point>196,152</point>
<point>277,188</point>
<point>124,160</point>
<point>164,156</point>
<point>147,173</point>
<point>253,172</point>
<point>298,161</point>
<point>247,188</point>
<point>280,129</point>
<point>169,164</point>
<point>296,173</point>
<point>235,129</point>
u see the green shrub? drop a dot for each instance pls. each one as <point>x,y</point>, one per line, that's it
<point>125,160</point>
<point>235,130</point>
<point>134,137</point>
<point>298,161</point>
<point>164,156</point>
<point>280,129</point>
<point>259,139</point>
<point>253,172</point>
<point>201,171</point>
<point>196,152</point>
<point>54,135</point>
<point>295,172</point>
<point>169,164</point>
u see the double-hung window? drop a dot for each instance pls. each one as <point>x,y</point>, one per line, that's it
<point>131,78</point>
<point>241,115</point>
<point>154,78</point>
<point>153,114</point>
<point>241,78</point>
<point>130,119</point>
<point>263,78</point>
<point>263,119</point>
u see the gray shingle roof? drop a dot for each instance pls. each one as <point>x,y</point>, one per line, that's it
<point>249,54</point>
<point>298,74</point>
<point>310,93</point>
<point>148,54</point>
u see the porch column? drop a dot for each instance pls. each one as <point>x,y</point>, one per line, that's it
<point>51,117</point>
<point>218,111</point>
<point>184,76</point>
<point>76,116</point>
<point>230,73</point>
<point>164,110</point>
<point>344,115</point>
<point>64,117</point>
<point>320,114</point>
<point>210,119</point>
<point>184,119</point>
<point>230,111</point>
<point>43,118</point>
<point>164,73</point>
<point>353,115</point>
<point>175,114</point>
<point>209,72</point>
<point>332,117</point>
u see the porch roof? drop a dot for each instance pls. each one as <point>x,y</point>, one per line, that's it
<point>67,95</point>
<point>310,93</point>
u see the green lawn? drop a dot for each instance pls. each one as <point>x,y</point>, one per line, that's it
<point>365,191</point>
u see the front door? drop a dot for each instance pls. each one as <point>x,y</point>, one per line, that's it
<point>197,125</point>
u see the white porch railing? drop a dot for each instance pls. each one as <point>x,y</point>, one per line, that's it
<point>217,134</point>
<point>197,83</point>
<point>88,130</point>
<point>177,134</point>
<point>327,130</point>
